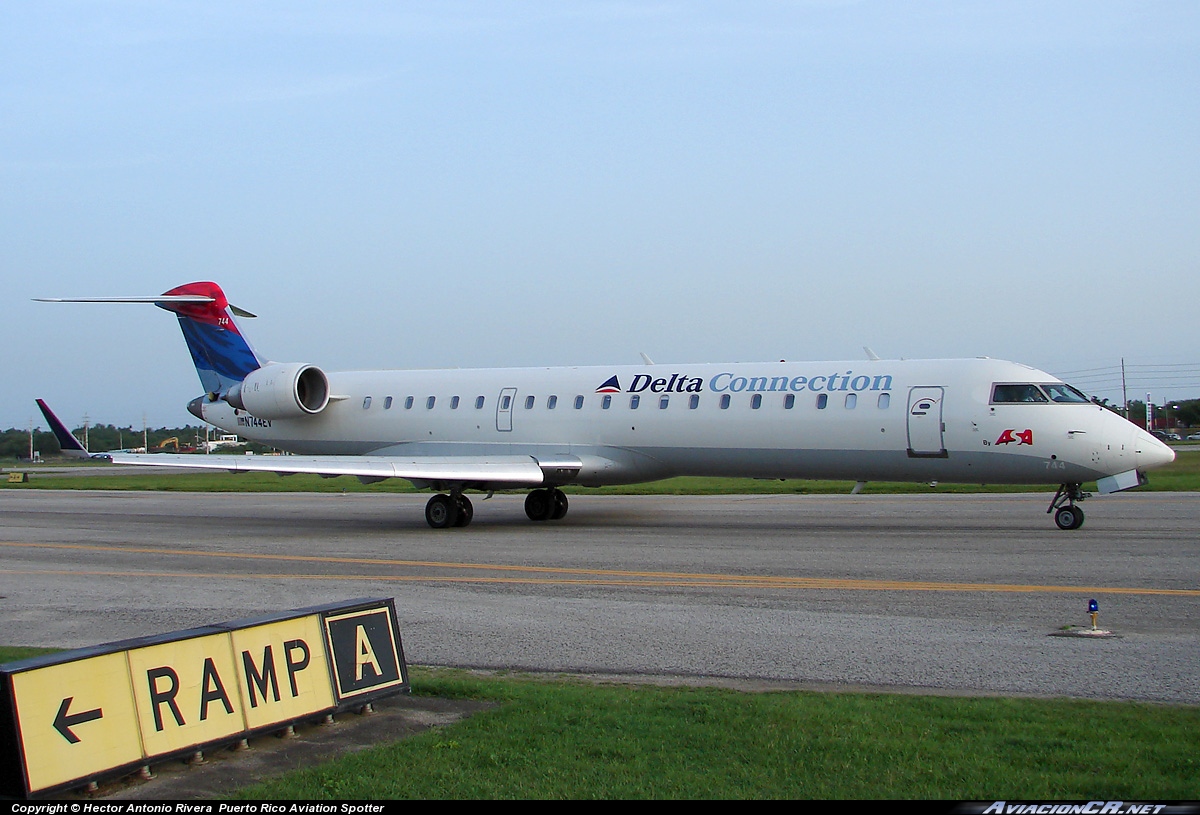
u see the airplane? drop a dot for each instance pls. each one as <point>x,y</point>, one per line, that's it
<point>71,446</point>
<point>976,421</point>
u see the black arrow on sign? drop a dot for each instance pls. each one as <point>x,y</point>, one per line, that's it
<point>63,723</point>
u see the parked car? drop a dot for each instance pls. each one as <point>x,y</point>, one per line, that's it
<point>1158,434</point>
<point>1194,437</point>
<point>1174,437</point>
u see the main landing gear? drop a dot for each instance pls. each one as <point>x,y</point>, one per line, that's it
<point>444,511</point>
<point>546,505</point>
<point>1066,514</point>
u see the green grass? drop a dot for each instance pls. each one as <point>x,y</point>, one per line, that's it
<point>567,739</point>
<point>570,739</point>
<point>1183,475</point>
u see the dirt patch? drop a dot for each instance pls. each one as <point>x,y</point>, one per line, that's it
<point>224,771</point>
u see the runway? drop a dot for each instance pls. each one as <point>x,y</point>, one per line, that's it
<point>938,593</point>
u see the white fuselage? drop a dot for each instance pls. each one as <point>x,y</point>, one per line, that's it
<point>920,420</point>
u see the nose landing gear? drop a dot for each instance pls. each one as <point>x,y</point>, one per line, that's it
<point>1066,514</point>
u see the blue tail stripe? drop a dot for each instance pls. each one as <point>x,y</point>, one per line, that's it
<point>222,357</point>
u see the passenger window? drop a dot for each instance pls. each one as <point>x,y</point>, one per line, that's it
<point>1006,394</point>
<point>822,401</point>
<point>634,401</point>
<point>551,403</point>
<point>505,401</point>
<point>454,403</point>
<point>885,399</point>
<point>366,402</point>
<point>756,401</point>
<point>528,402</point>
<point>724,401</point>
<point>789,401</point>
<point>851,400</point>
<point>578,402</point>
<point>663,401</point>
<point>429,402</point>
<point>408,403</point>
<point>606,402</point>
<point>693,401</point>
<point>387,403</point>
<point>479,403</point>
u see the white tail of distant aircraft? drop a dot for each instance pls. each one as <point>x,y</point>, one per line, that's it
<point>967,420</point>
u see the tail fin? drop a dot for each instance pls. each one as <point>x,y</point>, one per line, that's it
<point>69,444</point>
<point>220,352</point>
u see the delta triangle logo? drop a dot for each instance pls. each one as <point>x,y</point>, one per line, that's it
<point>611,385</point>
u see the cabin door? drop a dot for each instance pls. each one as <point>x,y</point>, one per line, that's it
<point>504,408</point>
<point>925,425</point>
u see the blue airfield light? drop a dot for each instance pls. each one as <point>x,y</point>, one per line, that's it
<point>1093,610</point>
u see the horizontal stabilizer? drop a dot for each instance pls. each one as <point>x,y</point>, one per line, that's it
<point>157,298</point>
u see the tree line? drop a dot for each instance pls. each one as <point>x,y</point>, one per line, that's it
<point>14,443</point>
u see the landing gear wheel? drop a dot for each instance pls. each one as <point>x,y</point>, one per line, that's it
<point>442,511</point>
<point>465,511</point>
<point>1069,517</point>
<point>539,505</point>
<point>560,505</point>
<point>1067,514</point>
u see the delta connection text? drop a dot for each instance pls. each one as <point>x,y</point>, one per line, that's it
<point>735,383</point>
<point>100,808</point>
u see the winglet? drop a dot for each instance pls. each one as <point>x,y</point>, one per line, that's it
<point>70,445</point>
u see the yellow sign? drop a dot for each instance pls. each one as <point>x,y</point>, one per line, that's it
<point>76,715</point>
<point>186,693</point>
<point>282,670</point>
<point>76,719</point>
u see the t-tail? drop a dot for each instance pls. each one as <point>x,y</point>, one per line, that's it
<point>229,368</point>
<point>222,355</point>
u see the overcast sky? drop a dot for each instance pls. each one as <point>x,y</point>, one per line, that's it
<point>463,184</point>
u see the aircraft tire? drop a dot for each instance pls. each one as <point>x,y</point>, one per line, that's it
<point>441,511</point>
<point>465,511</point>
<point>1070,517</point>
<point>560,505</point>
<point>539,505</point>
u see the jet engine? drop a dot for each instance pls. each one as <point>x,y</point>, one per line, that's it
<point>282,390</point>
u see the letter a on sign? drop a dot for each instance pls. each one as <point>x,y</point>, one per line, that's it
<point>366,651</point>
<point>364,655</point>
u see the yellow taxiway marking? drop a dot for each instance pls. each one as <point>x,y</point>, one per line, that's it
<point>564,576</point>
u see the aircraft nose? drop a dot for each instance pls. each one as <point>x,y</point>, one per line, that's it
<point>1151,452</point>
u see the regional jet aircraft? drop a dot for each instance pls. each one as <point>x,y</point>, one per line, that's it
<point>963,420</point>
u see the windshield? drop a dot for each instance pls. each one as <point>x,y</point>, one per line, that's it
<point>1017,393</point>
<point>1027,392</point>
<point>1062,392</point>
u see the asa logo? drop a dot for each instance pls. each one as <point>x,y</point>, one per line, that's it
<point>1015,437</point>
<point>611,385</point>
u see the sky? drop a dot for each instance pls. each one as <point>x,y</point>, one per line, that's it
<point>478,184</point>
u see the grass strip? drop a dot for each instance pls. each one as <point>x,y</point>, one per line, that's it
<point>577,740</point>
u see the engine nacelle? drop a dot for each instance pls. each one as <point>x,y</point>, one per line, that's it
<point>282,390</point>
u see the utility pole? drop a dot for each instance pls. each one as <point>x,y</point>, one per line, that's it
<point>1124,392</point>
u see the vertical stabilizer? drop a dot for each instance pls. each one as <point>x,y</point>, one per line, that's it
<point>222,355</point>
<point>70,445</point>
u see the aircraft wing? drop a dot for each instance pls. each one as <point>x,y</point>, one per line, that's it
<point>491,469</point>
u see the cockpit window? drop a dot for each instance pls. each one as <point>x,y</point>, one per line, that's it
<point>1062,392</point>
<point>1004,394</point>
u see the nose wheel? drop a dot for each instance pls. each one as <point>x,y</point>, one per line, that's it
<point>1067,515</point>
